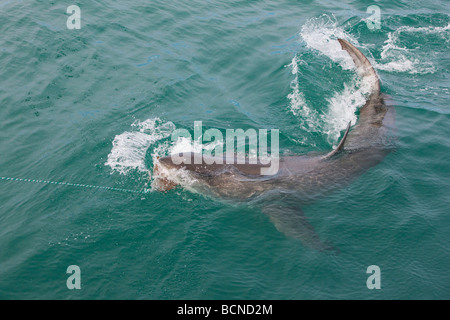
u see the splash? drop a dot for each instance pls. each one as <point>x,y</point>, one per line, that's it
<point>129,148</point>
<point>320,35</point>
<point>342,108</point>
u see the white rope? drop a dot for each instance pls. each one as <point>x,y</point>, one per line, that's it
<point>75,185</point>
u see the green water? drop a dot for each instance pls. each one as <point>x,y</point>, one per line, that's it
<point>90,108</point>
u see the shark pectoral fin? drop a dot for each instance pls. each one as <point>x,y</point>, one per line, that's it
<point>341,144</point>
<point>293,223</point>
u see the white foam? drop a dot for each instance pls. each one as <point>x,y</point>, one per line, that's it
<point>429,30</point>
<point>322,33</point>
<point>298,106</point>
<point>130,147</point>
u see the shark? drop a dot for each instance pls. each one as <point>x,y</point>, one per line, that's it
<point>300,179</point>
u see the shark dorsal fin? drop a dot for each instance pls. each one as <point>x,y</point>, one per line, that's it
<point>340,145</point>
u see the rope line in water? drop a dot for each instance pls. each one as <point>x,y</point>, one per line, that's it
<point>80,185</point>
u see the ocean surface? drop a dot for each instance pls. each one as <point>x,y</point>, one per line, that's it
<point>84,113</point>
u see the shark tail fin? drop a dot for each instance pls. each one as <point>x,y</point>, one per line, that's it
<point>363,66</point>
<point>371,115</point>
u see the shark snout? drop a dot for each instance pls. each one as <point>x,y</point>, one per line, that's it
<point>179,161</point>
<point>167,162</point>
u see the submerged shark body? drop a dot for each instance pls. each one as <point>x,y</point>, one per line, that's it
<point>302,179</point>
